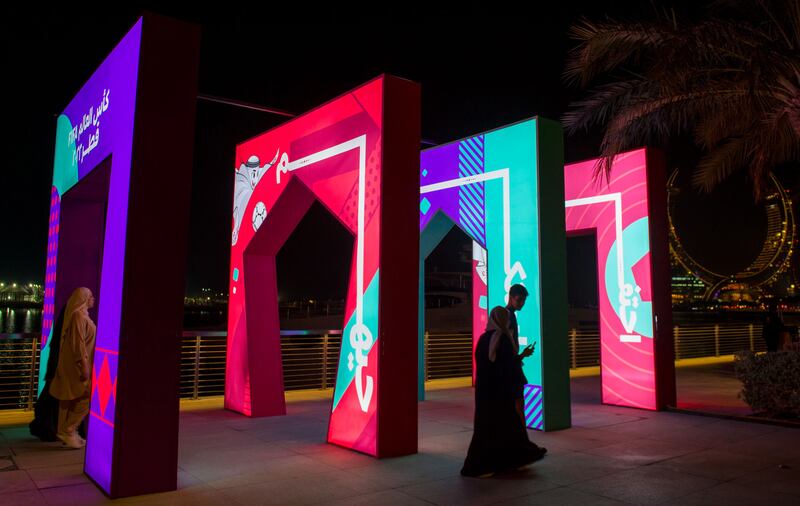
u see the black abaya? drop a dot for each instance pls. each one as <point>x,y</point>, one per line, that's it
<point>500,440</point>
<point>45,418</point>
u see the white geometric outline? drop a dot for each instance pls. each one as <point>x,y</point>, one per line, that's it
<point>361,338</point>
<point>503,174</point>
<point>624,300</point>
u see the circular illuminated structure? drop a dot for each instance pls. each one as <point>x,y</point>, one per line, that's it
<point>773,259</point>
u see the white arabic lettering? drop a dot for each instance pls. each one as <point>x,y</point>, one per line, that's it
<point>90,119</point>
<point>628,302</point>
<point>361,340</point>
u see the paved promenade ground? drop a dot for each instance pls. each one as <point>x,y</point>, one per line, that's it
<point>710,386</point>
<point>610,456</point>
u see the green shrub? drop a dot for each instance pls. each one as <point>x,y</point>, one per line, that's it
<point>770,382</point>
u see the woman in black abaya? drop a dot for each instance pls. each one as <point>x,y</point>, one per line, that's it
<point>500,441</point>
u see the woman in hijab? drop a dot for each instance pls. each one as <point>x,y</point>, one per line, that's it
<point>500,441</point>
<point>72,382</point>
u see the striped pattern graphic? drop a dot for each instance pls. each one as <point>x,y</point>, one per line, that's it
<point>534,400</point>
<point>471,197</point>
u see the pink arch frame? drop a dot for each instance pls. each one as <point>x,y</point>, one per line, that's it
<point>344,153</point>
<point>627,215</point>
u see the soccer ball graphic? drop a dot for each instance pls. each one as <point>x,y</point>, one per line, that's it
<point>259,215</point>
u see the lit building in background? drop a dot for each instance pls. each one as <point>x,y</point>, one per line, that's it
<point>20,292</point>
<point>769,275</point>
<point>687,289</point>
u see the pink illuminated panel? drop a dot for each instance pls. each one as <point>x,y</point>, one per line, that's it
<point>334,154</point>
<point>617,212</point>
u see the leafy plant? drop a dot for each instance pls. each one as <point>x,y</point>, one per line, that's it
<point>770,381</point>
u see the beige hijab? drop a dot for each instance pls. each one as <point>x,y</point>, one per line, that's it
<point>498,322</point>
<point>73,375</point>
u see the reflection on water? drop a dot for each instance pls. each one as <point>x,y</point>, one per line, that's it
<point>20,320</point>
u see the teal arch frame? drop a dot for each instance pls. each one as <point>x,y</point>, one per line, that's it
<point>504,188</point>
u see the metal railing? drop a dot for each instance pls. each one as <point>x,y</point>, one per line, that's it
<point>584,348</point>
<point>310,357</point>
<point>309,360</point>
<point>19,370</point>
<point>714,340</point>
<point>203,364</point>
<point>447,355</point>
<point>691,341</point>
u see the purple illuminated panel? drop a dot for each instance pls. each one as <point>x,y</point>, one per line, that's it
<point>98,123</point>
<point>114,144</point>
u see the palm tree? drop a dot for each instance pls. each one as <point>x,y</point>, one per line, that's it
<point>732,80</point>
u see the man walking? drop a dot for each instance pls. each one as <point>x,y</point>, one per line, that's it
<point>517,295</point>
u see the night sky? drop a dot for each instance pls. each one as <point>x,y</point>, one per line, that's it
<point>480,65</point>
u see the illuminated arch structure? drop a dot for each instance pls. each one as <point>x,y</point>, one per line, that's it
<point>119,215</point>
<point>504,189</point>
<point>773,259</point>
<point>627,215</point>
<point>358,156</point>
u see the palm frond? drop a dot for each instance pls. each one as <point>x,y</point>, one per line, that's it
<point>604,46</point>
<point>733,82</point>
<point>600,106</point>
<point>720,163</point>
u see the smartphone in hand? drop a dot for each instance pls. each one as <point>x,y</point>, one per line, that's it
<point>528,351</point>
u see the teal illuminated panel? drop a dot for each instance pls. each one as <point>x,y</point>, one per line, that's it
<point>504,189</point>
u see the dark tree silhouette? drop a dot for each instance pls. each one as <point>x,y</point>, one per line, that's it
<point>732,80</point>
